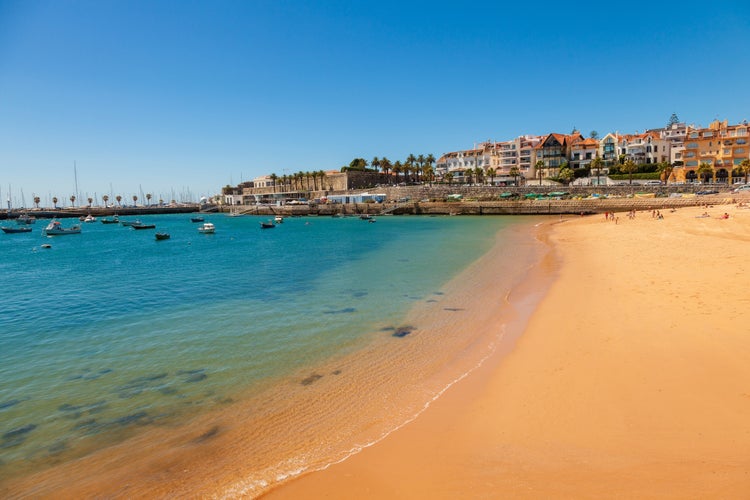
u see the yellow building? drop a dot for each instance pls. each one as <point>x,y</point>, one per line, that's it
<point>714,154</point>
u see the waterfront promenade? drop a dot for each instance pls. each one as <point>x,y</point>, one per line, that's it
<point>424,200</point>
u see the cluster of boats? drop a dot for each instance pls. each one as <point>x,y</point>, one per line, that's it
<point>56,228</point>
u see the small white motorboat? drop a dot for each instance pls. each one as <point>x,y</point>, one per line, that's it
<point>207,228</point>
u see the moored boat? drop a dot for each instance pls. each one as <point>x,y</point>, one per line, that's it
<point>207,228</point>
<point>55,228</point>
<point>113,220</point>
<point>143,226</point>
<point>278,219</point>
<point>197,219</point>
<point>130,222</point>
<point>162,236</point>
<point>19,229</point>
<point>25,219</point>
<point>267,225</point>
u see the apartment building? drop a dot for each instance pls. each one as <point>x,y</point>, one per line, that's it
<point>720,146</point>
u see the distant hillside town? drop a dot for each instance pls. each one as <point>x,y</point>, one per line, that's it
<point>675,153</point>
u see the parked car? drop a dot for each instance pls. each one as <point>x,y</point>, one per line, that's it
<point>742,189</point>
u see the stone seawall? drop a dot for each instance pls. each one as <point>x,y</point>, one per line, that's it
<point>518,207</point>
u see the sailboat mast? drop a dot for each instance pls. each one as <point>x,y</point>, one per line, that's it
<point>75,176</point>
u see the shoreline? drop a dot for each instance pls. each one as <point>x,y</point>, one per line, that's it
<point>628,381</point>
<point>385,385</point>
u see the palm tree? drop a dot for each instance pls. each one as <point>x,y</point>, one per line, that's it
<point>666,168</point>
<point>135,200</point>
<point>745,166</point>
<point>514,172</point>
<point>397,169</point>
<point>449,177</point>
<point>479,174</point>
<point>322,177</point>
<point>420,164</point>
<point>705,172</point>
<point>91,200</point>
<point>54,201</point>
<point>491,173</point>
<point>375,163</point>
<point>629,166</point>
<point>410,161</point>
<point>468,175</point>
<point>119,200</point>
<point>274,177</point>
<point>36,201</point>
<point>148,199</point>
<point>105,199</point>
<point>385,166</point>
<point>540,170</point>
<point>596,164</point>
<point>73,200</point>
<point>428,173</point>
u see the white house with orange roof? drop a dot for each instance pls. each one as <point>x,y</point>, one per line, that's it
<point>646,148</point>
<point>582,152</point>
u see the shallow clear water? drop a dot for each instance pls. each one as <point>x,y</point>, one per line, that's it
<point>111,331</point>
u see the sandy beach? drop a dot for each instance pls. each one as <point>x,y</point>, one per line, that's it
<point>629,381</point>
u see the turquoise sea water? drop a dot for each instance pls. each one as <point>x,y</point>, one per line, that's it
<point>110,332</point>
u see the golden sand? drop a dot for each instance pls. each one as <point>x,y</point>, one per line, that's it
<point>632,380</point>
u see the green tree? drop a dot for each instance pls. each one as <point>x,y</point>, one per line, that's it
<point>54,201</point>
<point>148,199</point>
<point>449,178</point>
<point>273,178</point>
<point>36,201</point>
<point>594,134</point>
<point>73,200</point>
<point>566,174</point>
<point>105,199</point>
<point>119,200</point>
<point>90,200</point>
<point>375,163</point>
<point>135,200</point>
<point>673,120</point>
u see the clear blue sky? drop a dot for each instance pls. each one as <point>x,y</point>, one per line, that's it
<point>188,96</point>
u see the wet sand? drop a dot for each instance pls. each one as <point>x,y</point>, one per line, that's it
<point>631,380</point>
